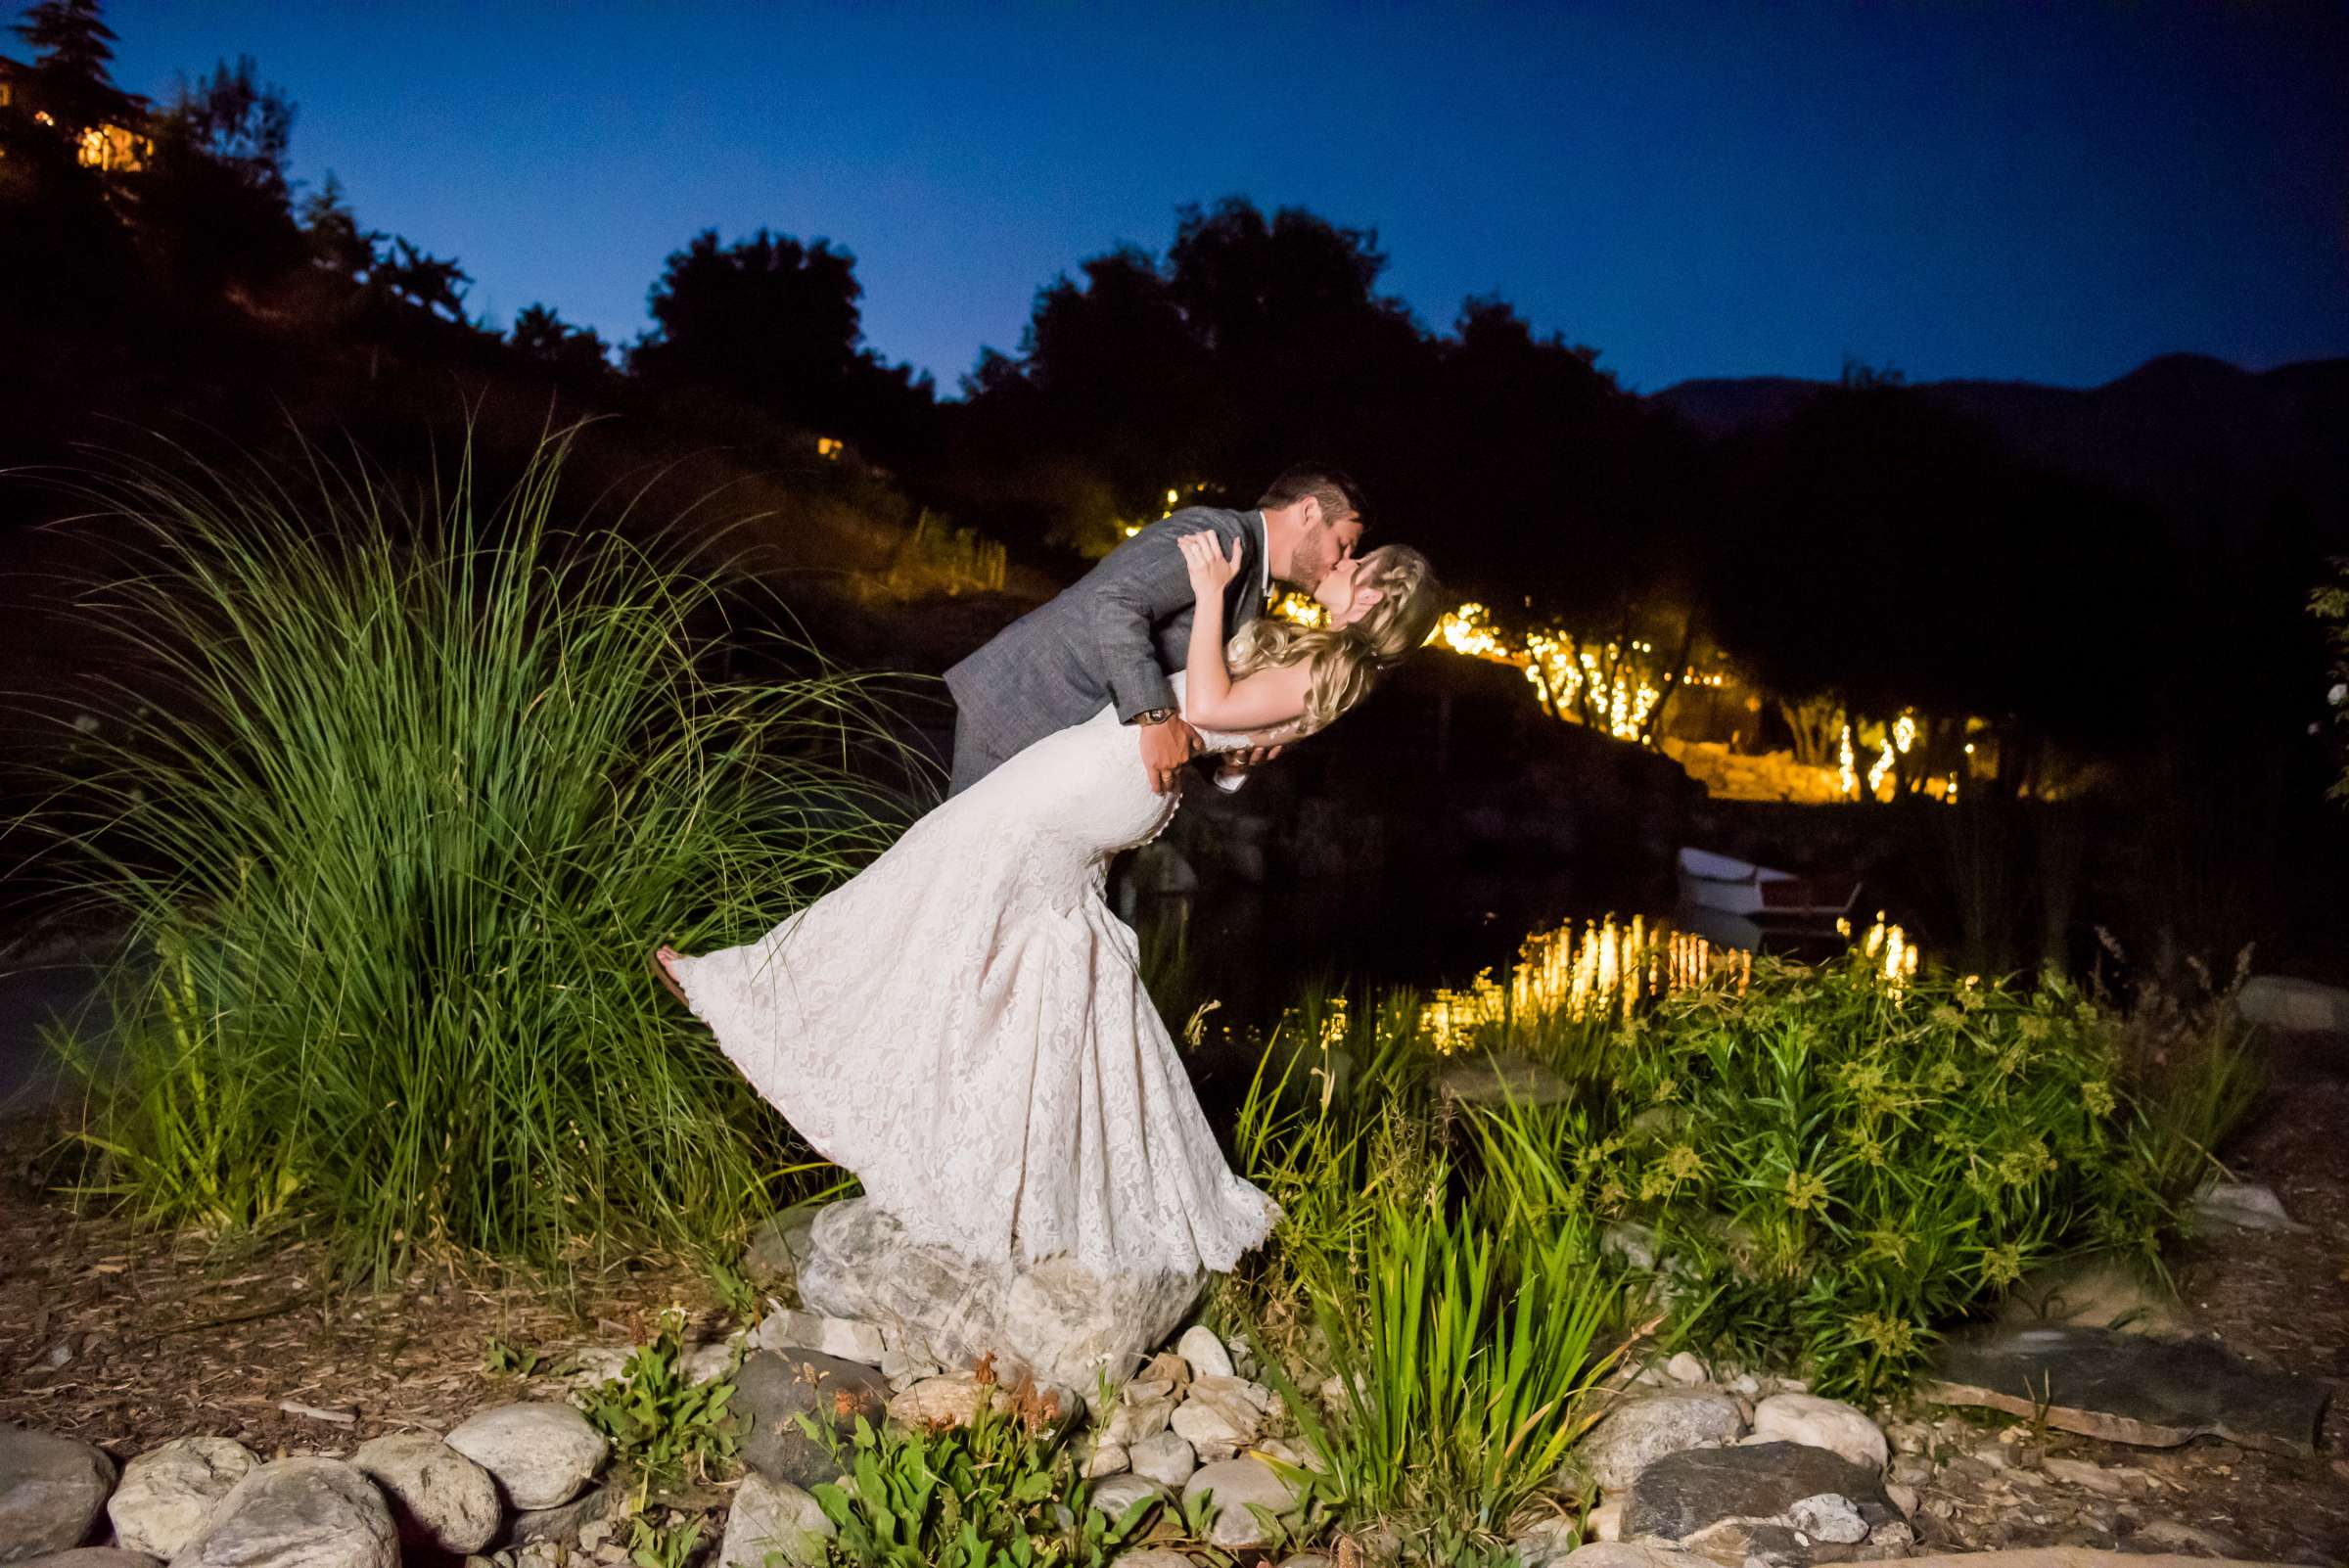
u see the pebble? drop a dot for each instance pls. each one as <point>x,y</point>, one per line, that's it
<point>1204,1353</point>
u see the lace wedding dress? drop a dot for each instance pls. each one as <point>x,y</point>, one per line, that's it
<point>963,1025</point>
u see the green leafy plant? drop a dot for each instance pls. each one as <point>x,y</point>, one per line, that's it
<point>502,1358</point>
<point>1001,1492</point>
<point>659,1419</point>
<point>671,1545</point>
<point>1464,1352</point>
<point>435,772</point>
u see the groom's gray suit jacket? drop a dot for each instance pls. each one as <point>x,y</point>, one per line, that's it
<point>1107,639</point>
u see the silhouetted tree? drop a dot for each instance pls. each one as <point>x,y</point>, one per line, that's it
<point>545,340</point>
<point>68,79</point>
<point>212,208</point>
<point>436,284</point>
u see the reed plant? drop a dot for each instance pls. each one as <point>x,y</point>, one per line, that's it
<point>407,783</point>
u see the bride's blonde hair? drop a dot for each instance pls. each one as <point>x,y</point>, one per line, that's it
<point>1348,661</point>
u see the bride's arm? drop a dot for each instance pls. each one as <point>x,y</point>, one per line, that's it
<point>1210,696</point>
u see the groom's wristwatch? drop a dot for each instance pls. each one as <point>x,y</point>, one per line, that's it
<point>1152,715</point>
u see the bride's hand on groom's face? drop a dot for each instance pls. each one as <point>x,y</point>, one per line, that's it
<point>1209,567</point>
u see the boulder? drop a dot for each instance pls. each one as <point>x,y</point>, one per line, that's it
<point>94,1557</point>
<point>777,1517</point>
<point>168,1493</point>
<point>843,1337</point>
<point>542,1454</point>
<point>1240,1488</point>
<point>2244,1205</point>
<point>1640,1431</point>
<point>1683,1495</point>
<point>439,1498</point>
<point>2293,1005</point>
<point>775,1388</point>
<point>1053,1318</point>
<point>51,1491</point>
<point>1822,1425</point>
<point>780,1241</point>
<point>1167,1458</point>
<point>297,1513</point>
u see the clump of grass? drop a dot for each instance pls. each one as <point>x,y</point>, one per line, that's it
<point>416,783</point>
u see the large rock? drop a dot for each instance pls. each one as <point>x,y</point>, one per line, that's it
<point>439,1498</point>
<point>50,1489</point>
<point>773,1517</point>
<point>1640,1431</point>
<point>1630,1555</point>
<point>168,1491</point>
<point>297,1513</point>
<point>542,1454</point>
<point>94,1557</point>
<point>780,1241</point>
<point>775,1388</point>
<point>841,1337</point>
<point>2122,1389</point>
<point>1054,1319</point>
<point>1241,1486</point>
<point>1822,1425</point>
<point>1683,1495</point>
<point>2294,1004</point>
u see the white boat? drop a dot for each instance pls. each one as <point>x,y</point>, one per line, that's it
<point>1732,886</point>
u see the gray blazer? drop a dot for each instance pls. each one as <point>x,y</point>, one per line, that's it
<point>1107,639</point>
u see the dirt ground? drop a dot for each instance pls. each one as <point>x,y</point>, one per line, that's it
<point>125,1338</point>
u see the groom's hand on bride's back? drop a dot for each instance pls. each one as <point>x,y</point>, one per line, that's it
<point>1166,746</point>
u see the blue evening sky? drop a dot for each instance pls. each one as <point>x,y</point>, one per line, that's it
<point>2050,192</point>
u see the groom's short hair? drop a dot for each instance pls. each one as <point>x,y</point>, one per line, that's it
<point>1340,497</point>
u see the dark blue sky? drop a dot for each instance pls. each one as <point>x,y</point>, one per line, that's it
<point>2049,192</point>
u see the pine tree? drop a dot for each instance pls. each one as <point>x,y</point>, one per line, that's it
<point>68,79</point>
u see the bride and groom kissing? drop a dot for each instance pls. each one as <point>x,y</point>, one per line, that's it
<point>963,1024</point>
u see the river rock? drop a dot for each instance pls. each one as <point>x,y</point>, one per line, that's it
<point>773,1516</point>
<point>775,1388</point>
<point>1640,1431</point>
<point>1053,1318</point>
<point>1630,1555</point>
<point>297,1513</point>
<point>168,1493</point>
<point>1685,1367</point>
<point>1119,1492</point>
<point>542,1453</point>
<point>1129,1423</point>
<point>2294,1004</point>
<point>51,1491</point>
<point>2244,1205</point>
<point>439,1498</point>
<point>563,1524</point>
<point>1822,1425</point>
<point>1203,1353</point>
<point>1224,1415</point>
<point>1828,1517</point>
<point>1102,1460</point>
<point>841,1337</point>
<point>1240,1486</point>
<point>1167,1458</point>
<point>1683,1495</point>
<point>94,1557</point>
<point>1150,1557</point>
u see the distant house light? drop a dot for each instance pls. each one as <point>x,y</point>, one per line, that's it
<point>827,446</point>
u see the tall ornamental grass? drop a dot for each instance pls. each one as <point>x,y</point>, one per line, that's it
<point>407,790</point>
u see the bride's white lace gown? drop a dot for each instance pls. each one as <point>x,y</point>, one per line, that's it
<point>963,1025</point>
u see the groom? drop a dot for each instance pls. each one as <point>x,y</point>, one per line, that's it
<point>1110,638</point>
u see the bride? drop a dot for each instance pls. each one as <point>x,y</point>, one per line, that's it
<point>963,1024</point>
